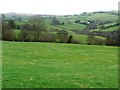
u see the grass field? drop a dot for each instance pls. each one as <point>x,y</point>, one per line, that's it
<point>108,29</point>
<point>72,26</point>
<point>109,24</point>
<point>81,38</point>
<point>111,29</point>
<point>53,65</point>
<point>66,26</point>
<point>103,17</point>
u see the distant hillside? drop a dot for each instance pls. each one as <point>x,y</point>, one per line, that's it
<point>100,17</point>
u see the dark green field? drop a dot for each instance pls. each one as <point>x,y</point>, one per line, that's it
<point>52,65</point>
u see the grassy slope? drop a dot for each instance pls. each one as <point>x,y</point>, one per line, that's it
<point>75,26</point>
<point>66,26</point>
<point>108,29</point>
<point>111,29</point>
<point>72,26</point>
<point>109,24</point>
<point>97,16</point>
<point>103,17</point>
<point>48,24</point>
<point>59,65</point>
<point>81,38</point>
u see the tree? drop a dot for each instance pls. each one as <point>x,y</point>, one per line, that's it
<point>70,39</point>
<point>24,32</point>
<point>37,26</point>
<point>62,36</point>
<point>20,19</point>
<point>33,28</point>
<point>55,21</point>
<point>12,23</point>
<point>7,32</point>
<point>63,23</point>
<point>38,23</point>
<point>113,39</point>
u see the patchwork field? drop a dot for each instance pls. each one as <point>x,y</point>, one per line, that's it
<point>52,65</point>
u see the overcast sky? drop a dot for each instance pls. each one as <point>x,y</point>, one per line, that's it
<point>57,7</point>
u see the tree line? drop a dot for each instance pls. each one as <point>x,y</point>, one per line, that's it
<point>35,30</point>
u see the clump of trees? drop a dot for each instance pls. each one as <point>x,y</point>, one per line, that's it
<point>55,21</point>
<point>62,36</point>
<point>29,32</point>
<point>12,23</point>
<point>7,32</point>
<point>111,38</point>
<point>33,31</point>
<point>7,29</point>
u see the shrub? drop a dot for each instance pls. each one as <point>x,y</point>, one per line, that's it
<point>62,36</point>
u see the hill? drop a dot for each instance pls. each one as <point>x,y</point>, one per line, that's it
<point>99,23</point>
<point>69,20</point>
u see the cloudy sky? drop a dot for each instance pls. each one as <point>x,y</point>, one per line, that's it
<point>57,7</point>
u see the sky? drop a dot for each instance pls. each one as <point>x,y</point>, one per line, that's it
<point>57,7</point>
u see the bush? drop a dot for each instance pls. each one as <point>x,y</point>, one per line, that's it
<point>7,32</point>
<point>62,36</point>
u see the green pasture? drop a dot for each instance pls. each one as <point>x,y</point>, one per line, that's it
<point>53,65</point>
